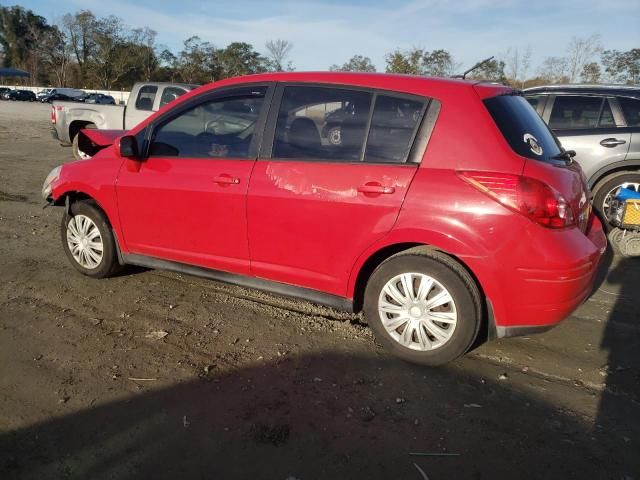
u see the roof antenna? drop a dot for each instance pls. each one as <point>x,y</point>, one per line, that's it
<point>477,65</point>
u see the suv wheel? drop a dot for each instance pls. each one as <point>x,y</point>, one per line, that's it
<point>607,190</point>
<point>423,306</point>
<point>88,241</point>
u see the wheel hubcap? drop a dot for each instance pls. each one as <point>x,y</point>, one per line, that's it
<point>417,311</point>
<point>84,241</point>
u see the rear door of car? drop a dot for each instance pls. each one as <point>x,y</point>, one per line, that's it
<point>589,125</point>
<point>315,205</point>
<point>630,109</point>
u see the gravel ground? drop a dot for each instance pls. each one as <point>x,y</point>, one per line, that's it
<point>160,375</point>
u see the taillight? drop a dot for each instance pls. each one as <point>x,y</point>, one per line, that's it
<point>532,198</point>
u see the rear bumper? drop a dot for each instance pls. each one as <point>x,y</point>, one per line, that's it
<point>538,296</point>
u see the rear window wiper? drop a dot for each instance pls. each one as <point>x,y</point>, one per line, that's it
<point>566,155</point>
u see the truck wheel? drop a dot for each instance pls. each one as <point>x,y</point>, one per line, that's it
<point>88,241</point>
<point>423,307</point>
<point>77,153</point>
<point>606,191</point>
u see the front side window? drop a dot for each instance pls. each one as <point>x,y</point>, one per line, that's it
<point>219,128</point>
<point>170,94</point>
<point>631,110</point>
<point>574,112</point>
<point>393,126</point>
<point>322,123</point>
<point>146,97</point>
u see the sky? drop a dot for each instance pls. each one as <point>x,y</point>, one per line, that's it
<point>326,32</point>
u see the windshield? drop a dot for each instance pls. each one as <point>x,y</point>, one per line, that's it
<point>522,127</point>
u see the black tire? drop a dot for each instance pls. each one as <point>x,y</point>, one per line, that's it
<point>77,153</point>
<point>109,264</point>
<point>453,277</point>
<point>609,184</point>
<point>334,135</point>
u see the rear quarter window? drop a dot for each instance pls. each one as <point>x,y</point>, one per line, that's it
<point>523,129</point>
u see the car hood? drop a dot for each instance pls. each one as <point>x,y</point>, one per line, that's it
<point>103,138</point>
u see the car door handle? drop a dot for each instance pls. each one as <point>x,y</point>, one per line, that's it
<point>225,179</point>
<point>375,187</point>
<point>612,142</point>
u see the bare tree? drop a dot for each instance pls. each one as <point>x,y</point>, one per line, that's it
<point>277,53</point>
<point>517,64</point>
<point>554,70</point>
<point>581,52</point>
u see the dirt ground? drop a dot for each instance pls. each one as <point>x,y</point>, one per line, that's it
<point>251,386</point>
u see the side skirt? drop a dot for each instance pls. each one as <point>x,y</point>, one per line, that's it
<point>334,301</point>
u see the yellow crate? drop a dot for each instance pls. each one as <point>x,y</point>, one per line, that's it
<point>631,212</point>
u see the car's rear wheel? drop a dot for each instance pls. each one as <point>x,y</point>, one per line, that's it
<point>606,191</point>
<point>88,241</point>
<point>423,306</point>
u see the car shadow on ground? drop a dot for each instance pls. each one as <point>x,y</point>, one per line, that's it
<point>620,401</point>
<point>325,415</point>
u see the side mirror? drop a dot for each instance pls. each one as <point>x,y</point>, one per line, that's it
<point>128,147</point>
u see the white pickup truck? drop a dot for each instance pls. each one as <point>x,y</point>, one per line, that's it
<point>69,118</point>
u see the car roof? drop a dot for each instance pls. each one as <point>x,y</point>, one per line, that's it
<point>621,90</point>
<point>418,84</point>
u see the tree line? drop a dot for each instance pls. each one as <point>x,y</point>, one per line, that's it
<point>85,51</point>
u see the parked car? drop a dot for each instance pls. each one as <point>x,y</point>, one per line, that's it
<point>602,124</point>
<point>72,93</point>
<point>58,97</point>
<point>22,95</point>
<point>456,222</point>
<point>144,99</point>
<point>99,98</point>
<point>4,91</point>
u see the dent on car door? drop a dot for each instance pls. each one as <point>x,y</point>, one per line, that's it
<point>186,201</point>
<point>590,126</point>
<point>315,205</point>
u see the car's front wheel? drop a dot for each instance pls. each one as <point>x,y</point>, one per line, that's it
<point>423,306</point>
<point>88,241</point>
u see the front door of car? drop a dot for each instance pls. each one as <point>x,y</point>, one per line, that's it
<point>186,201</point>
<point>590,126</point>
<point>315,204</point>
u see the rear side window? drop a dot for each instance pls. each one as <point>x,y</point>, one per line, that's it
<point>575,112</point>
<point>631,109</point>
<point>522,127</point>
<point>146,97</point>
<point>322,123</point>
<point>393,127</point>
<point>170,94</point>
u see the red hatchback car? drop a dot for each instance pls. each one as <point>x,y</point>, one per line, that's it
<point>439,208</point>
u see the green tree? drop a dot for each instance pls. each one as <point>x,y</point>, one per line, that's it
<point>238,58</point>
<point>591,73</point>
<point>492,71</point>
<point>79,30</point>
<point>623,67</point>
<point>417,61</point>
<point>357,63</point>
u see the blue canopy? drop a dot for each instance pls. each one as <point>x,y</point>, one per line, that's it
<point>13,72</point>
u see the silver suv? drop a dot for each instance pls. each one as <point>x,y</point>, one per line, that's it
<point>602,124</point>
